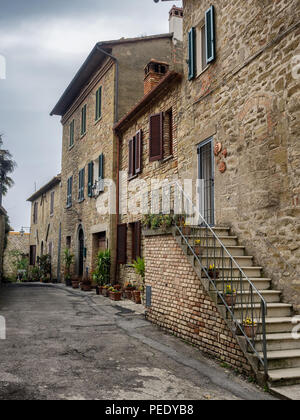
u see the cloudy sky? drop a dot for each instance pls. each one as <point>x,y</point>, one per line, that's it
<point>44,43</point>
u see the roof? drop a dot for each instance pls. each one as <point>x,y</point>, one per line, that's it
<point>165,81</point>
<point>54,181</point>
<point>90,66</point>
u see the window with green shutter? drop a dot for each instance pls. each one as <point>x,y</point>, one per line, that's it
<point>98,103</point>
<point>90,179</point>
<point>69,192</point>
<point>72,133</point>
<point>192,53</point>
<point>81,185</point>
<point>210,34</point>
<point>101,167</point>
<point>83,120</point>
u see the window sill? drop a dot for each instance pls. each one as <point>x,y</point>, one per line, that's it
<point>81,201</point>
<point>69,206</point>
<point>71,147</point>
<point>98,120</point>
<point>167,159</point>
<point>132,178</point>
<point>202,72</point>
<point>82,136</point>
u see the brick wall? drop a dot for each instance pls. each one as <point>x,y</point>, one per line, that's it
<point>15,242</point>
<point>181,306</point>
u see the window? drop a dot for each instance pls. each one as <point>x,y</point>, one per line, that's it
<point>83,120</point>
<point>50,249</point>
<point>135,240</point>
<point>98,104</point>
<point>135,153</point>
<point>156,137</point>
<point>202,44</point>
<point>72,133</point>
<point>68,242</point>
<point>32,255</point>
<point>90,179</point>
<point>35,212</point>
<point>52,203</point>
<point>81,177</point>
<point>168,130</point>
<point>69,192</point>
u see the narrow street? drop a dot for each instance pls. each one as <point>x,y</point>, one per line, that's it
<point>63,345</point>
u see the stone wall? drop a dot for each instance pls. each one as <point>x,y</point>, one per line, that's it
<point>15,242</point>
<point>2,238</point>
<point>182,306</point>
<point>248,100</point>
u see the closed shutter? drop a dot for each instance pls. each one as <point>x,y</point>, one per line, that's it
<point>210,34</point>
<point>156,137</point>
<point>81,185</point>
<point>99,103</point>
<point>136,240</point>
<point>122,244</point>
<point>69,194</point>
<point>83,120</point>
<point>101,167</point>
<point>131,158</point>
<point>90,178</point>
<point>192,53</point>
<point>138,152</point>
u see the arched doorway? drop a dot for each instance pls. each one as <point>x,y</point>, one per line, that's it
<point>80,252</point>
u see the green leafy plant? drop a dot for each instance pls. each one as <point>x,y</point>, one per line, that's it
<point>45,266</point>
<point>102,272</point>
<point>68,261</point>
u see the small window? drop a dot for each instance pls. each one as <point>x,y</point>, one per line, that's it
<point>83,120</point>
<point>168,133</point>
<point>52,203</point>
<point>35,212</point>
<point>68,242</point>
<point>135,230</point>
<point>32,255</point>
<point>90,178</point>
<point>135,153</point>
<point>69,192</point>
<point>201,62</point>
<point>98,104</point>
<point>72,133</point>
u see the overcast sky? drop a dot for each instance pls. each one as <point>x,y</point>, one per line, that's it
<point>44,43</point>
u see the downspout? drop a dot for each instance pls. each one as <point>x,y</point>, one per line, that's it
<point>117,198</point>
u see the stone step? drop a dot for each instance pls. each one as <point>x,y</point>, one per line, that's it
<point>250,272</point>
<point>274,310</point>
<point>278,342</point>
<point>283,359</point>
<point>280,377</point>
<point>277,325</point>
<point>270,296</point>
<point>242,261</point>
<point>259,283</point>
<point>203,232</point>
<point>226,240</point>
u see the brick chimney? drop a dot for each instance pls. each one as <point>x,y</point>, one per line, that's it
<point>154,72</point>
<point>176,22</point>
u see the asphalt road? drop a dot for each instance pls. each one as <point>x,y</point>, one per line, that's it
<point>62,345</point>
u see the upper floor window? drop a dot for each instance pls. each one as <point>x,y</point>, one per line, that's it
<point>83,120</point>
<point>98,104</point>
<point>135,153</point>
<point>81,177</point>
<point>52,203</point>
<point>35,212</point>
<point>202,44</point>
<point>72,133</point>
<point>69,192</point>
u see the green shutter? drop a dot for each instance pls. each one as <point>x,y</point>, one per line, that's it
<point>81,185</point>
<point>83,120</point>
<point>210,34</point>
<point>90,178</point>
<point>101,167</point>
<point>71,134</point>
<point>192,53</point>
<point>99,103</point>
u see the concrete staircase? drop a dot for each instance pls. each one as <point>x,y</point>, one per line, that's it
<point>283,351</point>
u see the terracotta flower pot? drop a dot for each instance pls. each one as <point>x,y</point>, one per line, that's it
<point>128,294</point>
<point>115,296</point>
<point>186,230</point>
<point>105,292</point>
<point>86,287</point>
<point>75,284</point>
<point>137,297</point>
<point>250,330</point>
<point>230,299</point>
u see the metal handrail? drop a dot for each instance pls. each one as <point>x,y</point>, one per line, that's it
<point>250,306</point>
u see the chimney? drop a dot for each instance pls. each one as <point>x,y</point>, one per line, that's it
<point>154,72</point>
<point>176,22</point>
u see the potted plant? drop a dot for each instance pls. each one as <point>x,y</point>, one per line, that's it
<point>45,267</point>
<point>114,294</point>
<point>102,273</point>
<point>139,266</point>
<point>105,290</point>
<point>250,328</point>
<point>197,247</point>
<point>213,272</point>
<point>230,295</point>
<point>75,283</point>
<point>128,290</point>
<point>86,285</point>
<point>186,229</point>
<point>68,260</point>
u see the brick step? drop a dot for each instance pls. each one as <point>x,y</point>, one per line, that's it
<point>270,296</point>
<point>280,377</point>
<point>259,283</point>
<point>274,310</point>
<point>283,359</point>
<point>278,342</point>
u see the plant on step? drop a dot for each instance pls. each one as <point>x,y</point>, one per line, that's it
<point>139,266</point>
<point>213,272</point>
<point>166,221</point>
<point>229,290</point>
<point>250,328</point>
<point>68,261</point>
<point>230,295</point>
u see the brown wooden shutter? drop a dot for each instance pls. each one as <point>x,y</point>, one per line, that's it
<point>156,137</point>
<point>138,152</point>
<point>136,240</point>
<point>122,244</point>
<point>131,158</point>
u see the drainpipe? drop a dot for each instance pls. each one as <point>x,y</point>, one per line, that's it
<point>117,197</point>
<point>116,117</point>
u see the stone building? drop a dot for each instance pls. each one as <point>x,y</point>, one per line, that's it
<point>45,232</point>
<point>2,239</point>
<point>108,84</point>
<point>16,242</point>
<point>148,156</point>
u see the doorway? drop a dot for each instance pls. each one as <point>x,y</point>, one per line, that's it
<point>207,181</point>
<point>80,252</point>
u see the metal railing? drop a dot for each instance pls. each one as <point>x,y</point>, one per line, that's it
<point>244,304</point>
